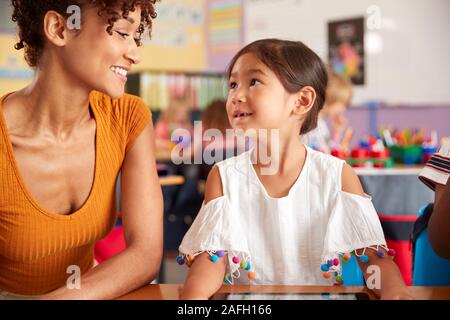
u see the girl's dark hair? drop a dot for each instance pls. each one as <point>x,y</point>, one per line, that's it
<point>29,15</point>
<point>296,66</point>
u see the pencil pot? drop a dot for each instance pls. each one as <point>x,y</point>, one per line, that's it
<point>407,154</point>
<point>428,152</point>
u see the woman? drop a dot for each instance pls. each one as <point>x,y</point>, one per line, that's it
<point>64,139</point>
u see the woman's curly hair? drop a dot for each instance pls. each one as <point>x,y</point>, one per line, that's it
<point>29,15</point>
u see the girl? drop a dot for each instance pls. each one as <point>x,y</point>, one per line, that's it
<point>296,226</point>
<point>63,141</point>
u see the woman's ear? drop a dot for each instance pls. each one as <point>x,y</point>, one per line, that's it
<point>55,28</point>
<point>304,101</point>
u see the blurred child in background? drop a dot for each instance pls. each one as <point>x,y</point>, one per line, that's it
<point>176,116</point>
<point>338,96</point>
<point>215,117</point>
<point>175,120</point>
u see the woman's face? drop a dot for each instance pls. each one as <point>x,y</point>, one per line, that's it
<point>100,61</point>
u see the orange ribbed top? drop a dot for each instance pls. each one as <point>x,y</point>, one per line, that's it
<point>37,246</point>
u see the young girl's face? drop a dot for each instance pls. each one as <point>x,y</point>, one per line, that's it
<point>257,98</point>
<point>97,60</point>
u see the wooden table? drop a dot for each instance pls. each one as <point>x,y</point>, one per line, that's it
<point>171,291</point>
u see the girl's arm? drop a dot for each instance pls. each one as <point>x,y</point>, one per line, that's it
<point>142,221</point>
<point>439,223</point>
<point>391,284</point>
<point>383,277</point>
<point>206,277</point>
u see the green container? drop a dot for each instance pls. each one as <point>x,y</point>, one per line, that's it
<point>407,154</point>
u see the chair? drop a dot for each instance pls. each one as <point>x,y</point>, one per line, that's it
<point>429,269</point>
<point>352,273</point>
<point>113,244</point>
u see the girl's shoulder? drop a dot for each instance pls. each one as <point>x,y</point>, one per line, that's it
<point>321,164</point>
<point>321,159</point>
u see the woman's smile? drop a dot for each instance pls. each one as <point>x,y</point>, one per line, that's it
<point>120,72</point>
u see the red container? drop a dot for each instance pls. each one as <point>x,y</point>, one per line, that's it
<point>359,153</point>
<point>338,154</point>
<point>380,154</point>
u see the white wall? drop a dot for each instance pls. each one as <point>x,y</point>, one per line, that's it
<point>413,66</point>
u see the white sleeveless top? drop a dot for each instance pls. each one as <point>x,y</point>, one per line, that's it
<point>283,240</point>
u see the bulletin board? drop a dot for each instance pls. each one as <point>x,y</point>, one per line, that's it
<point>178,39</point>
<point>224,32</point>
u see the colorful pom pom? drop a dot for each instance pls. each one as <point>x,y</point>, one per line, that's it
<point>251,275</point>
<point>364,258</point>
<point>243,265</point>
<point>180,260</point>
<point>248,266</point>
<point>330,263</point>
<point>324,267</point>
<point>335,261</point>
<point>380,253</point>
<point>392,253</point>
<point>214,258</point>
<point>220,253</point>
<point>339,280</point>
<point>347,256</point>
<point>235,260</point>
<point>327,275</point>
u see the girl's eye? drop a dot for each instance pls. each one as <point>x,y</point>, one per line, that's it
<point>254,82</point>
<point>233,85</point>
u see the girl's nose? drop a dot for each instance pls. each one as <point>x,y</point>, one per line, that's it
<point>238,97</point>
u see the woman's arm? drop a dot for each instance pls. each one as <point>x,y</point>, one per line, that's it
<point>206,277</point>
<point>391,284</point>
<point>142,221</point>
<point>439,224</point>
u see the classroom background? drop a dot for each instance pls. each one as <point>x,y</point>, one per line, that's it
<point>396,53</point>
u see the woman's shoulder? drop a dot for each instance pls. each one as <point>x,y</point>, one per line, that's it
<point>124,110</point>
<point>127,101</point>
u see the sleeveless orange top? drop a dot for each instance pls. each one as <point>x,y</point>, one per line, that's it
<point>38,246</point>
